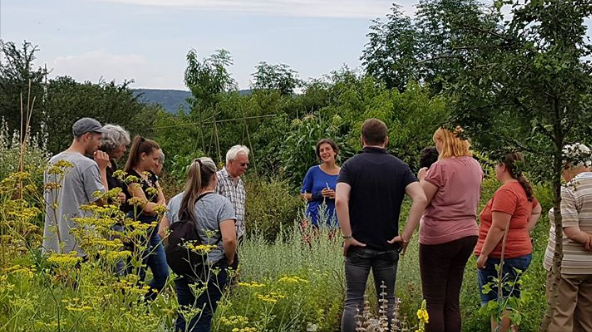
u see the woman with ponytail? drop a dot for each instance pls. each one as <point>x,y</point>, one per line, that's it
<point>143,158</point>
<point>215,219</point>
<point>512,213</point>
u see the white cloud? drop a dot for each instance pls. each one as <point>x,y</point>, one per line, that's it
<point>298,8</point>
<point>92,66</point>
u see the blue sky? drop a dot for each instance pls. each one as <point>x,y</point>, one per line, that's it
<point>147,40</point>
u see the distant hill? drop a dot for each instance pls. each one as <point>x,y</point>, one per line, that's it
<point>170,100</point>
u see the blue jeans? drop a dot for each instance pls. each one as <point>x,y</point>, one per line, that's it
<point>358,263</point>
<point>510,277</point>
<point>207,300</point>
<point>155,258</point>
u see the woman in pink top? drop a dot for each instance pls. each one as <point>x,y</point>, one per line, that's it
<point>448,230</point>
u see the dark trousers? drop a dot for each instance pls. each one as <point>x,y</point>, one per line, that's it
<point>442,268</point>
<point>358,263</point>
<point>206,300</point>
<point>155,258</point>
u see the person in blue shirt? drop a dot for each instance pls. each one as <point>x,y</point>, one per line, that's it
<point>319,184</point>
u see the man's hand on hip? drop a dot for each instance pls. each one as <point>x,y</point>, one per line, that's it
<point>351,242</point>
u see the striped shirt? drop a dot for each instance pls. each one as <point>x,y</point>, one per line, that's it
<point>236,194</point>
<point>576,210</point>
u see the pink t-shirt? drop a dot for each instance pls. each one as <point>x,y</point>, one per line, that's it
<point>452,213</point>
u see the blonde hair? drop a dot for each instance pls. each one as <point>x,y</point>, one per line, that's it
<point>452,144</point>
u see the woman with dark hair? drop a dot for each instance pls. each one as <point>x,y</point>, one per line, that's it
<point>319,184</point>
<point>143,158</point>
<point>513,210</point>
<point>215,219</point>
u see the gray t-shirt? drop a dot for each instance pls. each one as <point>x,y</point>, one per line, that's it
<point>78,184</point>
<point>210,211</point>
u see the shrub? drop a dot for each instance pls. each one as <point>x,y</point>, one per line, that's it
<point>270,207</point>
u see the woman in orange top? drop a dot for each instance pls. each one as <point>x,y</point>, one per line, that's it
<point>513,205</point>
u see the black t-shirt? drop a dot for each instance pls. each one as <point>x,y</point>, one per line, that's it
<point>146,184</point>
<point>378,181</point>
<point>113,182</point>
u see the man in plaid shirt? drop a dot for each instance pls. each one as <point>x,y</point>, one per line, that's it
<point>231,185</point>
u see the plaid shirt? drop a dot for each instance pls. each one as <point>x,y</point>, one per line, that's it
<point>237,196</point>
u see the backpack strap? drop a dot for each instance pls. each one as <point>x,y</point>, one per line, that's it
<point>197,229</point>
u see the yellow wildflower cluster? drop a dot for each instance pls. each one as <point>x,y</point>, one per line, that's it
<point>69,259</point>
<point>18,269</point>
<point>201,249</point>
<point>136,201</point>
<point>245,329</point>
<point>159,209</point>
<point>272,297</point>
<point>152,192</point>
<point>253,284</point>
<point>292,280</point>
<point>76,305</point>
<point>234,320</point>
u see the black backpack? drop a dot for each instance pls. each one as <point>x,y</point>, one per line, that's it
<point>183,261</point>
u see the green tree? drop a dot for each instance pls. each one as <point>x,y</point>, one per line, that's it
<point>526,84</point>
<point>425,49</point>
<point>66,100</point>
<point>16,73</point>
<point>275,77</point>
<point>392,50</point>
<point>208,80</point>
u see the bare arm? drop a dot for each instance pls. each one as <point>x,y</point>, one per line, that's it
<point>136,191</point>
<point>574,233</point>
<point>163,228</point>
<point>429,190</point>
<point>534,217</point>
<point>229,242</point>
<point>342,209</point>
<point>500,221</point>
<point>415,191</point>
<point>161,198</point>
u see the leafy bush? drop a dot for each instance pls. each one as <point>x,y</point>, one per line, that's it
<point>270,207</point>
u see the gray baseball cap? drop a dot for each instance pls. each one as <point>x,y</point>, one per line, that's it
<point>86,125</point>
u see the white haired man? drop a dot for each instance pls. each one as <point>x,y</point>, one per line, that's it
<point>231,185</point>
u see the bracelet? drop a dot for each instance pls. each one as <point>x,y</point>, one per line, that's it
<point>345,237</point>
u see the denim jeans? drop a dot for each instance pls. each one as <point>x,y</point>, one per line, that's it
<point>358,263</point>
<point>206,300</point>
<point>510,277</point>
<point>120,265</point>
<point>155,258</point>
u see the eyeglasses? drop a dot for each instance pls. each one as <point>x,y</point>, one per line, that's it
<point>244,164</point>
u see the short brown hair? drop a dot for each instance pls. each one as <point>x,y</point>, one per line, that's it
<point>374,132</point>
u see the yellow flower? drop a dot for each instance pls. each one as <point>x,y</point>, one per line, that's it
<point>69,259</point>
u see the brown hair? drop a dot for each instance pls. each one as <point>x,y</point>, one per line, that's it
<point>510,160</point>
<point>452,144</point>
<point>139,145</point>
<point>326,141</point>
<point>374,132</point>
<point>199,176</point>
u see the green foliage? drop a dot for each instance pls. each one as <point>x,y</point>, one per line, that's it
<point>67,100</point>
<point>20,84</point>
<point>275,77</point>
<point>298,149</point>
<point>270,208</point>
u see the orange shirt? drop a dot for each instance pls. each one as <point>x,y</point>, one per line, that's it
<point>511,199</point>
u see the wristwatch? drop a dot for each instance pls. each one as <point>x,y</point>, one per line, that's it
<point>345,237</point>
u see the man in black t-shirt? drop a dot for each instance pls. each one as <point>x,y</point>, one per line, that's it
<point>370,190</point>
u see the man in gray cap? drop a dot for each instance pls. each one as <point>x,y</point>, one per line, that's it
<point>77,186</point>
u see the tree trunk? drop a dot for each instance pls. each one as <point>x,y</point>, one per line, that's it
<point>558,256</point>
